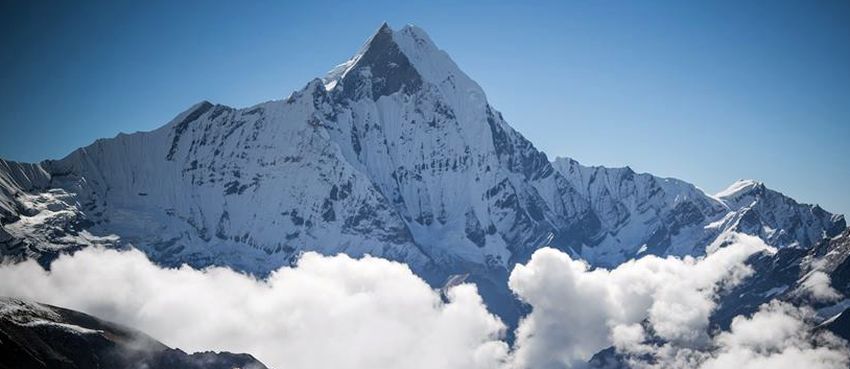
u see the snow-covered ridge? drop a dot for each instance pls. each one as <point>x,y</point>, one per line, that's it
<point>641,213</point>
<point>395,153</point>
<point>737,188</point>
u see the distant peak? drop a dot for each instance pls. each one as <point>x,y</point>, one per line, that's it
<point>193,112</point>
<point>740,186</point>
<point>564,160</point>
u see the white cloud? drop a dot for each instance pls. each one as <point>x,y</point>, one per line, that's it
<point>578,311</point>
<point>339,312</point>
<point>778,336</point>
<point>328,312</point>
<point>818,286</point>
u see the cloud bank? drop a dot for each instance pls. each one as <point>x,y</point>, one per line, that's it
<point>339,312</point>
<point>327,312</point>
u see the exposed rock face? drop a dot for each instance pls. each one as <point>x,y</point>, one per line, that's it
<point>35,336</point>
<point>840,324</point>
<point>789,275</point>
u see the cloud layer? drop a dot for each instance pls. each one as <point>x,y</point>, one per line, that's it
<point>327,312</point>
<point>341,312</point>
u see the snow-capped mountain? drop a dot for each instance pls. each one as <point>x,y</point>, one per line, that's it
<point>395,153</point>
<point>644,214</point>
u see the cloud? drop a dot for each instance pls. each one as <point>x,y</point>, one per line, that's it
<point>326,312</point>
<point>340,312</point>
<point>578,311</point>
<point>655,312</point>
<point>779,336</point>
<point>818,285</point>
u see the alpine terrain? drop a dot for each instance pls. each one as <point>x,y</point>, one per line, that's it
<point>394,153</point>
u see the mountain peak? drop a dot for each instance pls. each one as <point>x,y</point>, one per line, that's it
<point>740,186</point>
<point>333,77</point>
<point>378,69</point>
<point>398,60</point>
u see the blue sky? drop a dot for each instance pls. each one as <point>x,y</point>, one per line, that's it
<point>708,93</point>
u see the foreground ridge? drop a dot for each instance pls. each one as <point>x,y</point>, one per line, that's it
<point>34,335</point>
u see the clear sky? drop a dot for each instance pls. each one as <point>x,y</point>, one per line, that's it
<point>708,93</point>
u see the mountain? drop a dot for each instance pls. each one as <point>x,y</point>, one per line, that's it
<point>643,214</point>
<point>34,335</point>
<point>790,275</point>
<point>395,153</point>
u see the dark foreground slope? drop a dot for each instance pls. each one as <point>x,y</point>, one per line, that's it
<point>35,336</point>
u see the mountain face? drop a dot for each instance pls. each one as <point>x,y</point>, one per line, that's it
<point>395,153</point>
<point>34,336</point>
<point>643,214</point>
<point>789,275</point>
